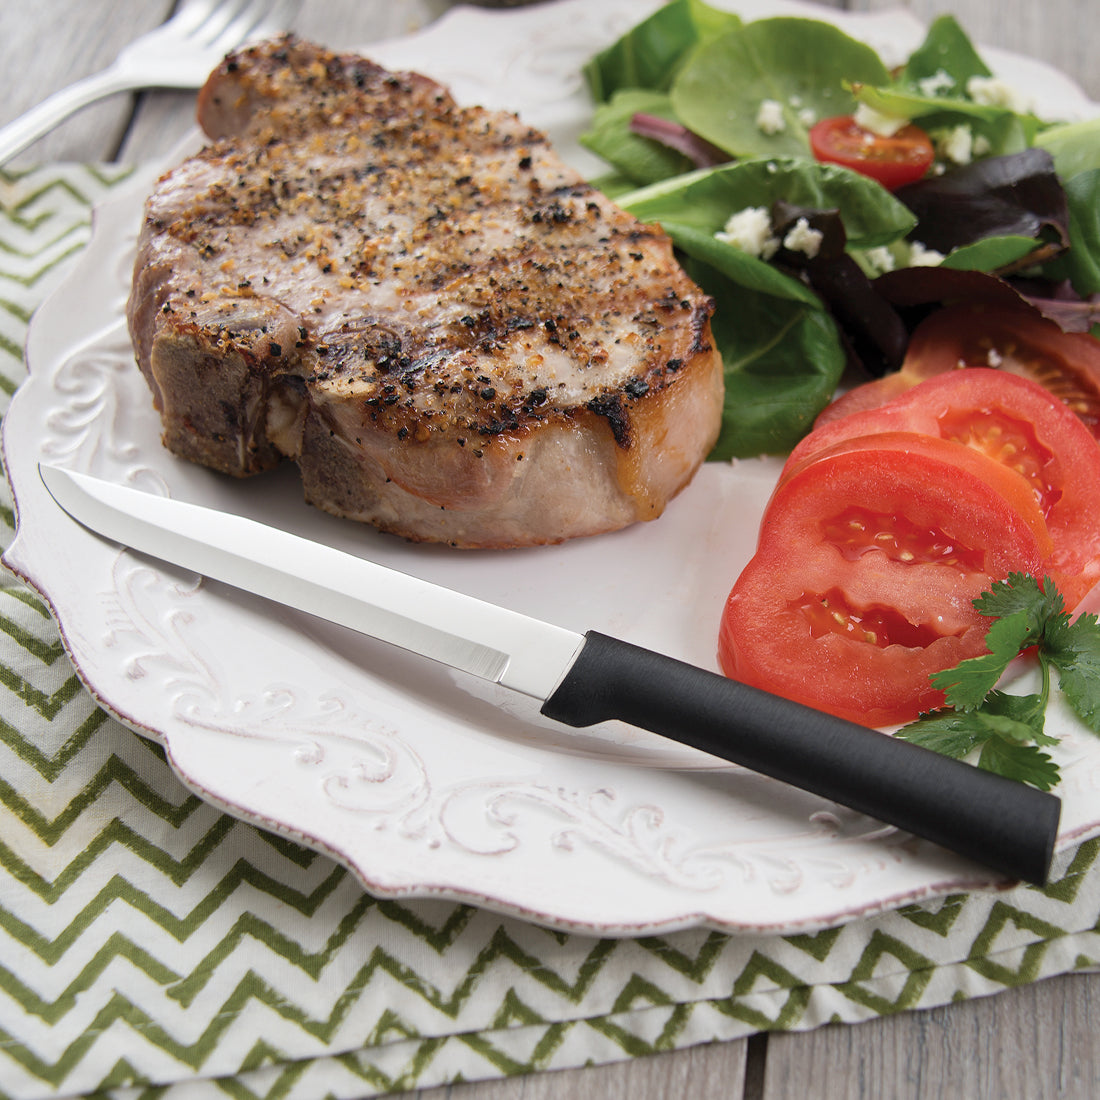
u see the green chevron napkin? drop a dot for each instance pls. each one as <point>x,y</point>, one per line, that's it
<point>150,945</point>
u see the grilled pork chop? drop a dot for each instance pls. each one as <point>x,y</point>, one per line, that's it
<point>453,335</point>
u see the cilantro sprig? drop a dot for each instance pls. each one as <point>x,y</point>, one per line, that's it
<point>1006,730</point>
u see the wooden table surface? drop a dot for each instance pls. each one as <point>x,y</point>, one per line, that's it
<point>1036,1041</point>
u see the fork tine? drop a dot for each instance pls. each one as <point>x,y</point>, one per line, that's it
<point>221,16</point>
<point>177,54</point>
<point>246,19</point>
<point>192,14</point>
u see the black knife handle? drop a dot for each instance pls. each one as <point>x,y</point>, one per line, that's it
<point>998,822</point>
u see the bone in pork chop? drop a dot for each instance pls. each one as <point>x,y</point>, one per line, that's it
<point>453,335</point>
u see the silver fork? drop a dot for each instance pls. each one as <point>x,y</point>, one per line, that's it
<point>178,54</point>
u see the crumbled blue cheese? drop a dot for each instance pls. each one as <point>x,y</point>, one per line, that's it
<point>877,122</point>
<point>802,238</point>
<point>991,91</point>
<point>807,116</point>
<point>960,145</point>
<point>769,117</point>
<point>920,256</point>
<point>881,259</point>
<point>750,230</point>
<point>957,145</point>
<point>938,82</point>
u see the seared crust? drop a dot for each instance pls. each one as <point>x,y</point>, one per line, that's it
<point>454,335</point>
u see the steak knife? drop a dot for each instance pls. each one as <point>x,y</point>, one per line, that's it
<point>582,680</point>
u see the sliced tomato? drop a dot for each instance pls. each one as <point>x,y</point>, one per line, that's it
<point>1018,341</point>
<point>868,395</point>
<point>869,559</point>
<point>971,462</point>
<point>1021,425</point>
<point>892,161</point>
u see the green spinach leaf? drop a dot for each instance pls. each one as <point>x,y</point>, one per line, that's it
<point>706,198</point>
<point>1081,263</point>
<point>1075,146</point>
<point>782,359</point>
<point>945,60</point>
<point>649,55</point>
<point>799,64</point>
<point>638,158</point>
<point>991,253</point>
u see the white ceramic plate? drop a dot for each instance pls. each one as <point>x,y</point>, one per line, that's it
<point>425,782</point>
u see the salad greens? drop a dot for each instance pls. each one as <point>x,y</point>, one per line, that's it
<point>1014,195</point>
<point>639,158</point>
<point>780,356</point>
<point>704,199</point>
<point>650,54</point>
<point>782,352</point>
<point>800,65</point>
<point>701,116</point>
<point>1006,730</point>
<point>945,84</point>
<point>1075,149</point>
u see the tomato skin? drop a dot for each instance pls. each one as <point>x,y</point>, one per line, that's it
<point>868,395</point>
<point>892,161</point>
<point>1016,340</point>
<point>902,613</point>
<point>1020,424</point>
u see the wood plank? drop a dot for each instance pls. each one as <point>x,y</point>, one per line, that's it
<point>717,1069</point>
<point>1014,1044</point>
<point>62,42</point>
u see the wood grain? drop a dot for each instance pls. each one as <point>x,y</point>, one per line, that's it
<point>715,1070</point>
<point>49,44</point>
<point>1034,1042</point>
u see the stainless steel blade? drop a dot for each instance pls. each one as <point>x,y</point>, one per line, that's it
<point>503,646</point>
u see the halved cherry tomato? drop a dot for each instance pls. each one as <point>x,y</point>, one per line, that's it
<point>1019,424</point>
<point>1017,340</point>
<point>892,161</point>
<point>868,562</point>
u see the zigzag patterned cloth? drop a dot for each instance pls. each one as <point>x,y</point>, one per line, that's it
<point>148,942</point>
